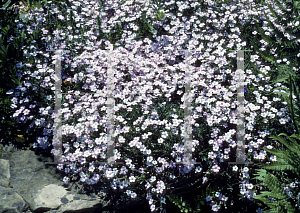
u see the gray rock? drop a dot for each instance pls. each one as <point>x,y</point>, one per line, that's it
<point>27,184</point>
<point>4,172</point>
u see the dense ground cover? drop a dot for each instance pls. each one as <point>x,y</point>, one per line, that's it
<point>145,35</point>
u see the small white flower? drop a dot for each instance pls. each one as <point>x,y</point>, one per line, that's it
<point>92,168</point>
<point>132,179</point>
<point>164,135</point>
<point>243,191</point>
<point>98,141</point>
<point>292,185</point>
<point>178,159</point>
<point>216,148</point>
<point>235,168</point>
<point>152,179</point>
<point>133,195</point>
<point>149,159</point>
<point>198,169</point>
<point>147,185</point>
<point>128,192</point>
<point>250,186</point>
<point>273,158</point>
<point>152,208</point>
<point>160,140</point>
<point>172,176</point>
<point>76,144</point>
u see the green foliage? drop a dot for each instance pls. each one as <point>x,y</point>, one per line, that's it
<point>184,206</point>
<point>287,160</point>
<point>145,27</point>
<point>4,4</point>
<point>159,16</point>
<point>293,107</point>
<point>270,181</point>
<point>10,53</point>
<point>158,6</point>
<point>36,3</point>
<point>192,200</point>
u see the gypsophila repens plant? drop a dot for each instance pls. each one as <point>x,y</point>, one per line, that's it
<point>148,71</point>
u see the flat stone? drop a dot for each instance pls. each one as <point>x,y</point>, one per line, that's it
<point>28,185</point>
<point>4,172</point>
<point>11,201</point>
<point>49,197</point>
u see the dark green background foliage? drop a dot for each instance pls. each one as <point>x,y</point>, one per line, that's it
<point>12,41</point>
<point>10,54</point>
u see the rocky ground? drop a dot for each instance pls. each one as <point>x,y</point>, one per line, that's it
<point>28,185</point>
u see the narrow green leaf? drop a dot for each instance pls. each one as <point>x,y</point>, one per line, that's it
<point>6,5</point>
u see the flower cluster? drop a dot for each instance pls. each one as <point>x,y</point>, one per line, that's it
<point>146,74</point>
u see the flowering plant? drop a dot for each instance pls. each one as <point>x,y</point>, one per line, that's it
<point>149,76</point>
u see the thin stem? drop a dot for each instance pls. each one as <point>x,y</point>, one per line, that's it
<point>292,108</point>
